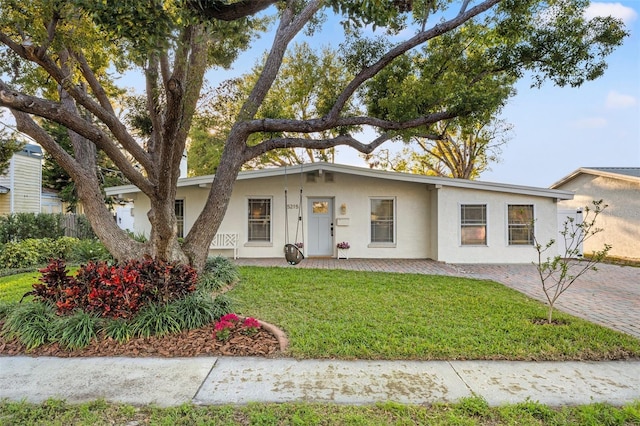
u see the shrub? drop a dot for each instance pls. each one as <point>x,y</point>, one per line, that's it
<point>57,288</point>
<point>27,253</point>
<point>109,290</point>
<point>22,226</point>
<point>116,291</point>
<point>222,268</point>
<point>166,281</point>
<point>222,306</point>
<point>196,310</point>
<point>6,308</point>
<point>31,323</point>
<point>89,250</point>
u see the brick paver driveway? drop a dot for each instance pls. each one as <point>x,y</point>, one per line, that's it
<point>609,296</point>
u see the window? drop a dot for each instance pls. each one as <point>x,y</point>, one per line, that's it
<point>382,220</point>
<point>259,219</point>
<point>179,212</point>
<point>473,224</point>
<point>520,226</point>
<point>320,207</point>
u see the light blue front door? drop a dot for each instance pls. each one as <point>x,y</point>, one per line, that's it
<point>320,241</point>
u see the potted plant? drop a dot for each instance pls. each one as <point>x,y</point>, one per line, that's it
<point>343,250</point>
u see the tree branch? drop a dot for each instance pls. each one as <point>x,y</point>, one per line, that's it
<point>346,140</point>
<point>290,25</point>
<point>320,125</point>
<point>215,9</point>
<point>19,102</point>
<point>64,80</point>
<point>153,107</point>
<point>95,85</point>
<point>420,38</point>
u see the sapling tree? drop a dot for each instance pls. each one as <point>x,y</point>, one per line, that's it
<point>558,273</point>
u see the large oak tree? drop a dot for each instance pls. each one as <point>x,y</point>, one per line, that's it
<point>58,59</point>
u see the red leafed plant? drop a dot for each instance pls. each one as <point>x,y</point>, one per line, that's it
<point>56,287</point>
<point>116,291</point>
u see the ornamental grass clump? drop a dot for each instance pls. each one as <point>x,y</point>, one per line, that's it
<point>217,272</point>
<point>76,331</point>
<point>31,323</point>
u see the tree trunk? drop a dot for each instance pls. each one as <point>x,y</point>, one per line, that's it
<point>163,241</point>
<point>205,227</point>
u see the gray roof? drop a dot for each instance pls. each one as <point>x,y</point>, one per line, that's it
<point>31,150</point>
<point>623,173</point>
<point>204,181</point>
<point>627,171</point>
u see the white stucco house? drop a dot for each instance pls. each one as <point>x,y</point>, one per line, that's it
<point>380,214</point>
<point>619,188</point>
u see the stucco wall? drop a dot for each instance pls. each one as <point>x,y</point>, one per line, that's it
<point>413,213</point>
<point>620,221</point>
<point>427,218</point>
<point>497,249</point>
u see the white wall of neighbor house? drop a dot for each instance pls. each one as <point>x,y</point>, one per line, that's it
<point>620,221</point>
<point>497,248</point>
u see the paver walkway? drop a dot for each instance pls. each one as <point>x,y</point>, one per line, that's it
<point>609,296</point>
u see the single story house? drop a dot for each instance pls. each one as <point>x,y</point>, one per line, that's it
<point>619,187</point>
<point>380,214</point>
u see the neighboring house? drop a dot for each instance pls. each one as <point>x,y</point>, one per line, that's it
<point>380,214</point>
<point>619,187</point>
<point>21,185</point>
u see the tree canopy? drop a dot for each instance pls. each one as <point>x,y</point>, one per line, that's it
<point>59,60</point>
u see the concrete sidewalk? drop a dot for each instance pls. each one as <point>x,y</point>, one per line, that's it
<point>226,380</point>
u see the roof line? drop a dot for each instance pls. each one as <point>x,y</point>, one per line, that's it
<point>373,173</point>
<point>595,172</point>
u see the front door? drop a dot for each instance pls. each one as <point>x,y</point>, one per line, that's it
<point>320,241</point>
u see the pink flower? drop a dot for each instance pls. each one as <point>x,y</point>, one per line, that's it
<point>251,323</point>
<point>223,325</point>
<point>230,318</point>
<point>223,329</point>
<point>251,326</point>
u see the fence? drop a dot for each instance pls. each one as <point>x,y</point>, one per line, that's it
<point>20,226</point>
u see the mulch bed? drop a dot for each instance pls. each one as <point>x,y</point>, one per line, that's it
<point>190,343</point>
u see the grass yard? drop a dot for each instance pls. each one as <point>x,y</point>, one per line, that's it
<point>469,411</point>
<point>373,315</point>
<point>12,287</point>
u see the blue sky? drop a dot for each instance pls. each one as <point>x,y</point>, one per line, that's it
<point>555,130</point>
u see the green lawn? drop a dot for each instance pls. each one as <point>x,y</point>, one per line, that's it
<point>470,411</point>
<point>372,315</point>
<point>12,287</point>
